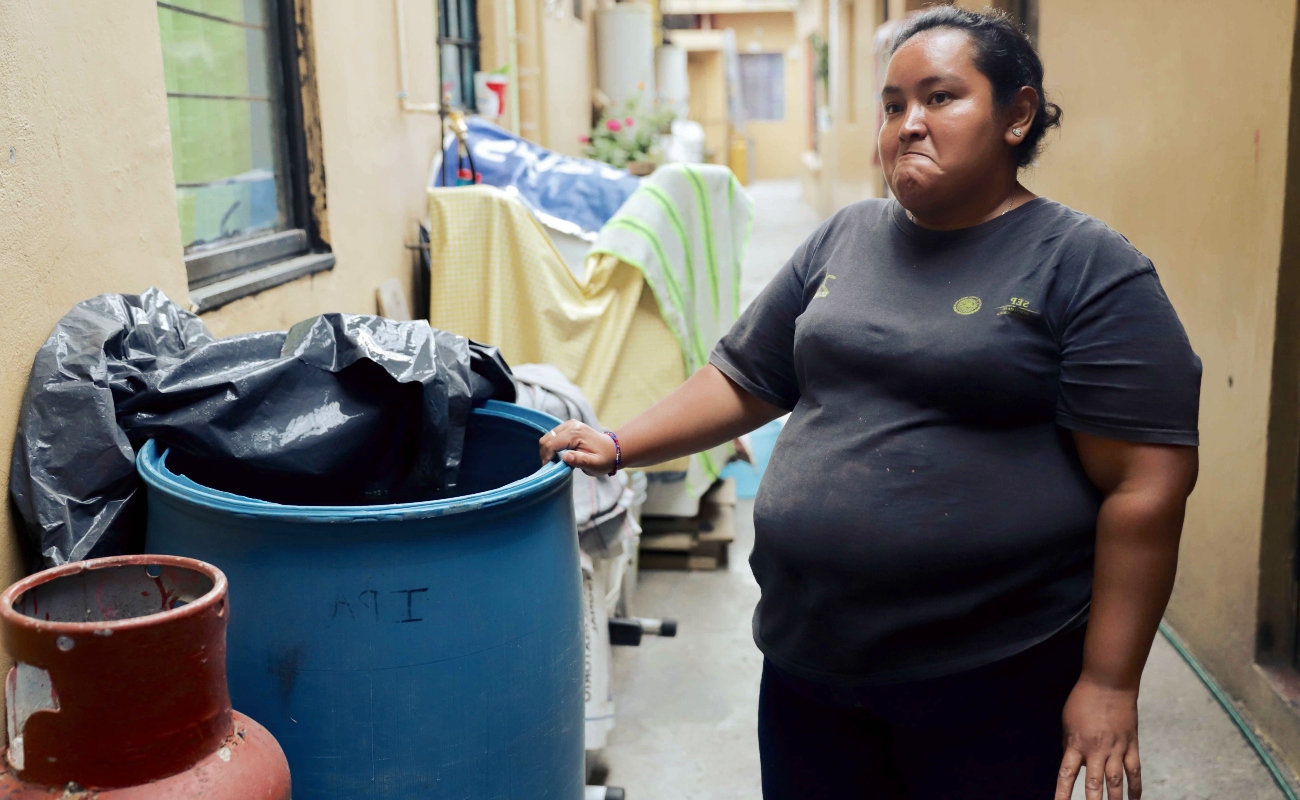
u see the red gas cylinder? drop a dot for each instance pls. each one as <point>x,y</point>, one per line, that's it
<point>118,691</point>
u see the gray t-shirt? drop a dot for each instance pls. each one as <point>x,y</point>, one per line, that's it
<point>925,510</point>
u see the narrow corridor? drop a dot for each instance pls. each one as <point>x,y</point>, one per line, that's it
<point>687,707</point>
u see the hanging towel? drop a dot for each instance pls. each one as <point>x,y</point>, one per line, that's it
<point>687,229</point>
<point>496,277</point>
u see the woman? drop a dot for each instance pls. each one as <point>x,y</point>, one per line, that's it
<point>969,528</point>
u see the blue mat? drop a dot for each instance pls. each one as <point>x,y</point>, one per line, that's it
<point>748,476</point>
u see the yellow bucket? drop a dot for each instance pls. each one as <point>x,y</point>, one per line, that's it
<point>738,159</point>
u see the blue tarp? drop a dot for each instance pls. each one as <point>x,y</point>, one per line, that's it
<point>576,196</point>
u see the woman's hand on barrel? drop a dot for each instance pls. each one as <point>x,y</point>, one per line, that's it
<point>581,447</point>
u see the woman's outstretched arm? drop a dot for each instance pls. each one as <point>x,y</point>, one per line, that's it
<point>1144,491</point>
<point>705,411</point>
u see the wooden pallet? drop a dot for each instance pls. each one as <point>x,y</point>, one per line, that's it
<point>701,542</point>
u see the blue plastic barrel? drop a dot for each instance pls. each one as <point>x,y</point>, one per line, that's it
<point>422,650</point>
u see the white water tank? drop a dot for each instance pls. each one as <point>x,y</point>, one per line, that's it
<point>625,51</point>
<point>672,81</point>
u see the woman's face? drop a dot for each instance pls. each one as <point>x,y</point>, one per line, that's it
<point>943,137</point>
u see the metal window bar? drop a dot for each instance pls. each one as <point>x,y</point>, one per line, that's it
<point>263,27</point>
<point>200,96</point>
<point>458,29</point>
<point>211,17</point>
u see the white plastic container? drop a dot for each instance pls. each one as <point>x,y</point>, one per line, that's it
<point>490,94</point>
<point>625,52</point>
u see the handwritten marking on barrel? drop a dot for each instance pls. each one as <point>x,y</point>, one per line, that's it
<point>403,611</point>
<point>410,593</point>
<point>341,602</point>
<point>374,601</point>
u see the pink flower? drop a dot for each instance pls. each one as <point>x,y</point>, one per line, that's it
<point>613,125</point>
<point>584,139</point>
<point>629,122</point>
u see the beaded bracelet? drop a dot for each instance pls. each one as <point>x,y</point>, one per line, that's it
<point>618,453</point>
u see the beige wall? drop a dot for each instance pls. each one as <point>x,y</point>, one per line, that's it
<point>86,197</point>
<point>777,145</point>
<point>851,143</point>
<point>556,71</point>
<point>495,49</point>
<point>568,75</point>
<point>1175,133</point>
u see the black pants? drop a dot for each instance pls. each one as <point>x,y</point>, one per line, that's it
<point>992,732</point>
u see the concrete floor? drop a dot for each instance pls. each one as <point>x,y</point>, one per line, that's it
<point>782,220</point>
<point>687,707</point>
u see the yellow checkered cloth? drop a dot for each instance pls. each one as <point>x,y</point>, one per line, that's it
<point>497,278</point>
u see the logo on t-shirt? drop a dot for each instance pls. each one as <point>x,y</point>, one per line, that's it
<point>825,288</point>
<point>1018,305</point>
<point>967,305</point>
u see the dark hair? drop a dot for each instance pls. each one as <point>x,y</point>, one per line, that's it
<point>1004,54</point>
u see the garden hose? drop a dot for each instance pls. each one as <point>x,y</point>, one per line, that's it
<point>1278,777</point>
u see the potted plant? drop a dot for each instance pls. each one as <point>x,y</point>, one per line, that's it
<point>627,137</point>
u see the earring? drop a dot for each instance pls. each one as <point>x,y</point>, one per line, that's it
<point>1017,132</point>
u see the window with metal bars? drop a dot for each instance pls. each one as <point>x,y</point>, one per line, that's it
<point>238,146</point>
<point>458,45</point>
<point>762,86</point>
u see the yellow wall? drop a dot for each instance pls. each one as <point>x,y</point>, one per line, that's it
<point>777,145</point>
<point>1175,133</point>
<point>86,197</point>
<point>708,101</point>
<point>842,170</point>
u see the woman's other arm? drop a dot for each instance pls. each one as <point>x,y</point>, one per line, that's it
<point>705,411</point>
<point>1144,489</point>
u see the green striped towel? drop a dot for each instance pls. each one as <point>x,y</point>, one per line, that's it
<point>686,228</point>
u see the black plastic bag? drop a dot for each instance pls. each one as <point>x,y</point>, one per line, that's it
<point>341,409</point>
